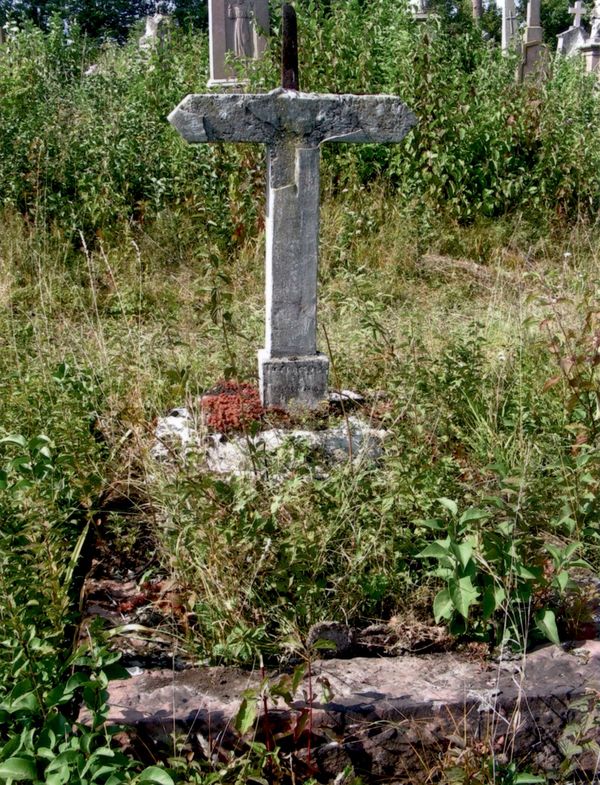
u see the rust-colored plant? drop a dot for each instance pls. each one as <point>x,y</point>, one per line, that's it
<point>231,406</point>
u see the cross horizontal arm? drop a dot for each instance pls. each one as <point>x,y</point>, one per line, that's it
<point>311,118</point>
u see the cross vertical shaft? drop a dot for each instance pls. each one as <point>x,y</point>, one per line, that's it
<point>292,228</point>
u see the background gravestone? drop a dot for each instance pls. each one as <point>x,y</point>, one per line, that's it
<point>156,31</point>
<point>572,40</point>
<point>238,29</point>
<point>532,41</point>
<point>509,24</point>
<point>591,51</point>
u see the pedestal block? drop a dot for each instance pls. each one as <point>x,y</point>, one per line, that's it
<point>298,381</point>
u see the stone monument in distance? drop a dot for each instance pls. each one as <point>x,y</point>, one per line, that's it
<point>237,29</point>
<point>570,42</point>
<point>591,49</point>
<point>509,24</point>
<point>533,47</point>
<point>292,125</point>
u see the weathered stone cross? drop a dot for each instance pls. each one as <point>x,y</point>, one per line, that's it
<point>578,12</point>
<point>292,125</point>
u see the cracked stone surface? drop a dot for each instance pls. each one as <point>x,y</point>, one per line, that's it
<point>394,718</point>
<point>177,434</point>
<point>283,114</point>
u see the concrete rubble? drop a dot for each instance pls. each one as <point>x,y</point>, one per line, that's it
<point>177,434</point>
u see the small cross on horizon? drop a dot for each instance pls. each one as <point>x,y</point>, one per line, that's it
<point>578,12</point>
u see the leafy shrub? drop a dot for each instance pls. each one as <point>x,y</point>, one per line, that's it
<point>84,140</point>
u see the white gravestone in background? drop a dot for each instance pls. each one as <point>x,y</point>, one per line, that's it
<point>570,42</point>
<point>532,41</point>
<point>591,50</point>
<point>156,31</point>
<point>509,24</point>
<point>237,29</point>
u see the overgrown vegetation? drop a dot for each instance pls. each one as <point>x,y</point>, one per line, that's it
<point>130,282</point>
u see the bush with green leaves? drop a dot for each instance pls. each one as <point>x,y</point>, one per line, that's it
<point>85,145</point>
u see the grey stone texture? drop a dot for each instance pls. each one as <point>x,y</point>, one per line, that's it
<point>578,41</point>
<point>293,125</point>
<point>571,41</point>
<point>177,435</point>
<point>282,115</point>
<point>292,256</point>
<point>532,41</point>
<point>591,49</point>
<point>591,54</point>
<point>299,379</point>
<point>395,718</point>
<point>509,24</point>
<point>237,28</point>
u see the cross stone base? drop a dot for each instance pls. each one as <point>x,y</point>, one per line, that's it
<point>293,380</point>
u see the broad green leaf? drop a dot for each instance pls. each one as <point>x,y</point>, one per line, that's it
<point>555,552</point>
<point>117,778</point>
<point>529,779</point>
<point>10,747</point>
<point>449,504</point>
<point>21,688</point>
<point>545,621</point>
<point>473,514</point>
<point>579,563</point>
<point>77,680</point>
<point>246,715</point>
<point>28,702</point>
<point>65,757</point>
<point>463,595</point>
<point>492,599</point>
<point>18,769</point>
<point>38,442</point>
<point>442,605</point>
<point>463,552</point>
<point>156,775</point>
<point>59,776</point>
<point>562,579</point>
<point>297,676</point>
<point>571,548</point>
<point>435,550</point>
<point>525,572</point>
<point>432,523</point>
<point>116,671</point>
<point>55,696</point>
<point>15,438</point>
<point>505,528</point>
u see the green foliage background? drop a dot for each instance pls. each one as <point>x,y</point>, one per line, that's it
<point>85,146</point>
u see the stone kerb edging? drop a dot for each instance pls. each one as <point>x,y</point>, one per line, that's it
<point>393,718</point>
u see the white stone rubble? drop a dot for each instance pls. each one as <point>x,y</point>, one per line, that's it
<point>177,435</point>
